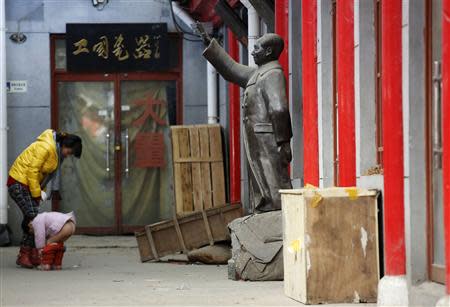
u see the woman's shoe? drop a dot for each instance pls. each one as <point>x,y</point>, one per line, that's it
<point>23,259</point>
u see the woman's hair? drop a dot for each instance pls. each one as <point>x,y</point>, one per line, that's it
<point>71,141</point>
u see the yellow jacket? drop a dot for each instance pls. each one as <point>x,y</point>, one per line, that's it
<point>35,162</point>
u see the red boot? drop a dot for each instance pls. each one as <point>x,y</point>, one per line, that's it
<point>57,263</point>
<point>35,258</point>
<point>23,259</point>
<point>48,256</point>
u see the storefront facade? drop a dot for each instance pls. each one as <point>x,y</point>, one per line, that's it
<point>121,115</point>
<point>372,90</point>
<point>367,97</point>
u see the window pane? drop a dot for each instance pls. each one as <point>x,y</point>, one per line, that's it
<point>60,54</point>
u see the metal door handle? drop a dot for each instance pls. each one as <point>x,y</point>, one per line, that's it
<point>127,153</point>
<point>437,120</point>
<point>108,139</point>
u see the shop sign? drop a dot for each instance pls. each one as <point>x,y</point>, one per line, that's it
<point>117,47</point>
<point>149,148</point>
<point>16,86</point>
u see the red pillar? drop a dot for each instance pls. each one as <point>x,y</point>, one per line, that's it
<point>309,90</point>
<point>391,67</point>
<point>446,131</point>
<point>235,127</point>
<point>346,93</point>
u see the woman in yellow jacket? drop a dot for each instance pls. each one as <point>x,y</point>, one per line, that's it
<point>33,169</point>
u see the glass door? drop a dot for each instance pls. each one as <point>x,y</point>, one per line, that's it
<point>124,178</point>
<point>87,185</point>
<point>147,109</point>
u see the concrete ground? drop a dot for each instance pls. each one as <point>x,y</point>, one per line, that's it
<point>106,271</point>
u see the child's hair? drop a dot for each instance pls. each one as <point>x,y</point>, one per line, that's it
<point>71,141</point>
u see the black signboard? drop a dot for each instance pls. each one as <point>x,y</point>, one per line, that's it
<point>117,47</point>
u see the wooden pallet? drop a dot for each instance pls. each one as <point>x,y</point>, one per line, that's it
<point>198,167</point>
<point>183,234</point>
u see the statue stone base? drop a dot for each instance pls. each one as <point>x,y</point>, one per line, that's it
<point>257,242</point>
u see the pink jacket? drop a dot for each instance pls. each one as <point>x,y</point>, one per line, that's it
<point>48,224</point>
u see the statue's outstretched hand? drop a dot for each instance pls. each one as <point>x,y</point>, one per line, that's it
<point>203,34</point>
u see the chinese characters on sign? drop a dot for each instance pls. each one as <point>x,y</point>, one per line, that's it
<point>101,48</point>
<point>149,111</point>
<point>145,50</point>
<point>149,148</point>
<point>16,86</point>
<point>117,47</point>
<point>80,47</point>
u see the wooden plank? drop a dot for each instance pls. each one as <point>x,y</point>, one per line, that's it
<point>144,247</point>
<point>180,235</point>
<point>196,169</point>
<point>148,232</point>
<point>177,169</point>
<point>215,140</point>
<point>166,240</point>
<point>186,174</point>
<point>206,186</point>
<point>218,220</point>
<point>163,238</point>
<point>175,131</point>
<point>218,183</point>
<point>217,171</point>
<point>208,228</point>
<point>193,160</point>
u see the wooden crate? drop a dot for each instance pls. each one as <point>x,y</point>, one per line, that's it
<point>330,245</point>
<point>198,167</point>
<point>183,234</point>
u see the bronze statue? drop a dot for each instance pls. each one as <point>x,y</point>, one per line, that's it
<point>267,123</point>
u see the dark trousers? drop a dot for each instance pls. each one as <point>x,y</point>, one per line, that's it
<point>29,207</point>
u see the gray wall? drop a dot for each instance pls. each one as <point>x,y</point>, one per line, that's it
<point>295,91</point>
<point>414,102</point>
<point>194,84</point>
<point>325,91</point>
<point>365,111</point>
<point>29,113</point>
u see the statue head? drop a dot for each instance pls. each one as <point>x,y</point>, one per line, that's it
<point>267,48</point>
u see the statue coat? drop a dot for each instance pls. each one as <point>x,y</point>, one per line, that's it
<point>267,124</point>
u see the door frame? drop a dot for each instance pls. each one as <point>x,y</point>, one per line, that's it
<point>436,273</point>
<point>58,75</point>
